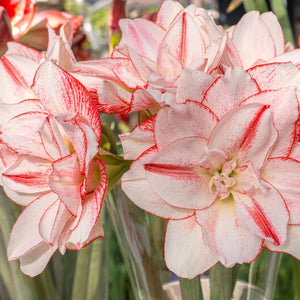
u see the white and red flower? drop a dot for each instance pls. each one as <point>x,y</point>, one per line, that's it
<point>49,163</point>
<point>220,169</point>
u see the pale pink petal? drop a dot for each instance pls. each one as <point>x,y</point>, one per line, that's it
<point>22,136</point>
<point>175,174</point>
<point>167,12</point>
<point>285,112</point>
<point>251,30</point>
<point>68,96</point>
<point>275,75</point>
<point>290,56</point>
<point>25,232</point>
<point>59,48</point>
<point>81,137</point>
<point>246,131</point>
<point>296,151</point>
<point>138,189</point>
<point>284,175</point>
<point>79,235</point>
<point>15,48</point>
<point>66,181</point>
<point>137,141</point>
<point>52,139</point>
<point>228,91</point>
<point>96,233</point>
<point>291,245</point>
<point>274,27</point>
<point>112,98</point>
<point>146,99</point>
<point>28,174</point>
<point>192,85</point>
<point>14,86</point>
<point>259,210</point>
<point>186,254</point>
<point>183,120</point>
<point>182,45</point>
<point>35,261</point>
<point>142,35</point>
<point>227,236</point>
<point>53,222</point>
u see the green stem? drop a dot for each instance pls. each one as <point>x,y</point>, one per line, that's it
<point>295,264</point>
<point>260,5</point>
<point>262,275</point>
<point>280,11</point>
<point>191,289</point>
<point>222,281</point>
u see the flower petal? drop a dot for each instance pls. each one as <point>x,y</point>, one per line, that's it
<point>285,114</point>
<point>228,91</point>
<point>185,252</point>
<point>284,175</point>
<point>183,120</point>
<point>175,174</point>
<point>252,30</point>
<point>246,131</point>
<point>66,181</point>
<point>25,234</point>
<point>138,189</point>
<point>225,233</point>
<point>34,262</point>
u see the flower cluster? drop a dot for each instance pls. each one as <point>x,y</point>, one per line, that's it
<point>218,155</point>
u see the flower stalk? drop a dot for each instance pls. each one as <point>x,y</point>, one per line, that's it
<point>222,281</point>
<point>191,289</point>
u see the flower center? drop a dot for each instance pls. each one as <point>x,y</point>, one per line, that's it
<point>221,184</point>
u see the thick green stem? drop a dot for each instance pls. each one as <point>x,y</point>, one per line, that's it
<point>280,10</point>
<point>262,276</point>
<point>295,264</point>
<point>260,5</point>
<point>191,289</point>
<point>222,281</point>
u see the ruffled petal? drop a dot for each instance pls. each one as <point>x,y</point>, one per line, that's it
<point>228,91</point>
<point>25,232</point>
<point>284,175</point>
<point>183,120</point>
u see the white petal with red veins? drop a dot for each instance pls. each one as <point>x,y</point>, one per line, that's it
<point>228,91</point>
<point>246,131</point>
<point>175,174</point>
<point>284,175</point>
<point>227,236</point>
<point>184,120</point>
<point>138,189</point>
<point>259,210</point>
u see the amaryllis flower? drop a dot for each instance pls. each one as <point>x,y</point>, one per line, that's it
<point>151,56</point>
<point>21,13</point>
<point>37,36</point>
<point>49,164</point>
<point>224,180</point>
<point>30,27</point>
